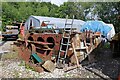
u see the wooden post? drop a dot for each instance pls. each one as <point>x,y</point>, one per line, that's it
<point>75,55</point>
<point>69,68</point>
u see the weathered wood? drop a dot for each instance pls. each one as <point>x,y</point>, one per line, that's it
<point>91,58</point>
<point>49,65</point>
<point>70,68</point>
<point>85,50</point>
<point>75,55</point>
<point>79,49</point>
<point>76,41</point>
<point>116,37</point>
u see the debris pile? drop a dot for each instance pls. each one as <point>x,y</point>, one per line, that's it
<point>44,49</point>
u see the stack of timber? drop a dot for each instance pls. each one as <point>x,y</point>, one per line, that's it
<point>82,49</point>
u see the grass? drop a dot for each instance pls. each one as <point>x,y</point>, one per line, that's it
<point>9,56</point>
<point>106,45</point>
<point>22,63</point>
<point>29,67</point>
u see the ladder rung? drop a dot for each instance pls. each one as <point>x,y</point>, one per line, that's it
<point>62,58</point>
<point>67,34</point>
<point>68,30</point>
<point>66,37</point>
<point>62,51</point>
<point>80,48</point>
<point>88,44</point>
<point>65,44</point>
<point>68,24</point>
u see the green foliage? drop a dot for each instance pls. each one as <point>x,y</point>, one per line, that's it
<point>106,45</point>
<point>22,63</point>
<point>18,11</point>
<point>109,12</point>
<point>29,67</point>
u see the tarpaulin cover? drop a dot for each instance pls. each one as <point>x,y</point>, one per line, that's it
<point>111,32</point>
<point>96,26</point>
<point>36,21</point>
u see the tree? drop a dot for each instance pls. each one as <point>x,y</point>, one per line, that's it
<point>109,12</point>
<point>79,9</point>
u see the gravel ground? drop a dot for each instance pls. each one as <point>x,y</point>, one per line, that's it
<point>105,66</point>
<point>12,69</point>
<point>6,46</point>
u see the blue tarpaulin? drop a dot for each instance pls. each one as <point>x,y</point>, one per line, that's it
<point>96,26</point>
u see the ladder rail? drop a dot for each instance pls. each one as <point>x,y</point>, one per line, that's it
<point>72,24</point>
<point>66,22</point>
<point>62,40</point>
<point>66,52</point>
<point>59,51</point>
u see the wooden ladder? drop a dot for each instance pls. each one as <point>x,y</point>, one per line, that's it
<point>65,42</point>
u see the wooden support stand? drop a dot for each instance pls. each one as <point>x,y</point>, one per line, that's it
<point>49,65</point>
<point>70,68</point>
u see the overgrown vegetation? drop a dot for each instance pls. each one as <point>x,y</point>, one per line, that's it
<point>106,45</point>
<point>109,12</point>
<point>22,63</point>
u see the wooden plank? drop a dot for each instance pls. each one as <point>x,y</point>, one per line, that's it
<point>49,65</point>
<point>83,48</point>
<point>75,55</point>
<point>70,68</point>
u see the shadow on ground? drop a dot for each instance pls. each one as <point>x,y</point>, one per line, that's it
<point>106,63</point>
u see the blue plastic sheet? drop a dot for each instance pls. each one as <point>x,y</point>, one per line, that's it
<point>96,26</point>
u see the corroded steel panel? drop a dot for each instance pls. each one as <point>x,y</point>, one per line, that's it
<point>26,51</point>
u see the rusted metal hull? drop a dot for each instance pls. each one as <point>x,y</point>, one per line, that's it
<point>46,45</point>
<point>25,52</point>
